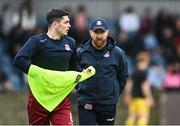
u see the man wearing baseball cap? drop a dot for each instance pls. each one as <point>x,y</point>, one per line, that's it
<point>98,95</point>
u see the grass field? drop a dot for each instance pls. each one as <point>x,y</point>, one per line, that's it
<point>13,110</point>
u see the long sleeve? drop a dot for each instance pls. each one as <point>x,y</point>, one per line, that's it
<point>23,58</point>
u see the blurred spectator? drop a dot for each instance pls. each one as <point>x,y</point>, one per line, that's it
<point>138,94</point>
<point>27,16</point>
<point>147,21</point>
<point>150,41</point>
<point>163,19</point>
<point>129,20</point>
<point>16,39</point>
<point>167,45</point>
<point>9,19</point>
<point>79,30</point>
<point>176,39</point>
<point>156,75</point>
<point>172,77</point>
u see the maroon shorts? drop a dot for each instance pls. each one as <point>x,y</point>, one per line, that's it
<point>38,115</point>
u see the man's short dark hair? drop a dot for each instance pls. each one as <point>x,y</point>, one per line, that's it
<point>55,15</point>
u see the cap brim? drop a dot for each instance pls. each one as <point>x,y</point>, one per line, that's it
<point>99,28</point>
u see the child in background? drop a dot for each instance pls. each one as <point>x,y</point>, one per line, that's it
<point>138,94</point>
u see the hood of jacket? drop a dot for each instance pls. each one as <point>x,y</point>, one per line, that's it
<point>86,44</point>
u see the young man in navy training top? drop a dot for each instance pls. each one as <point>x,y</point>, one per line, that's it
<point>98,95</point>
<point>53,50</point>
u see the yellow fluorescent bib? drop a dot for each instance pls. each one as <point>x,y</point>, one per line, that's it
<point>51,87</point>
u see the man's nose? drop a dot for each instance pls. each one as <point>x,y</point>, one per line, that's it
<point>69,25</point>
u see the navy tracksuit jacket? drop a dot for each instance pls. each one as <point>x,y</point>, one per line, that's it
<point>111,73</point>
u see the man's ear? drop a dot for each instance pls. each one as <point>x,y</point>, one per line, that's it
<point>90,32</point>
<point>55,23</point>
<point>107,32</point>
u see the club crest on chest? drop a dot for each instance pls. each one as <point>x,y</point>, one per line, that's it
<point>67,47</point>
<point>107,54</point>
<point>88,106</point>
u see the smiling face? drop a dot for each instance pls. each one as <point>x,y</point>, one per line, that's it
<point>99,37</point>
<point>62,26</point>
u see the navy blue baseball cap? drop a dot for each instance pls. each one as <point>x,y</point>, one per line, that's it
<point>99,23</point>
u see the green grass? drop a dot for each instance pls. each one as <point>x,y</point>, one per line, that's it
<point>13,110</point>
